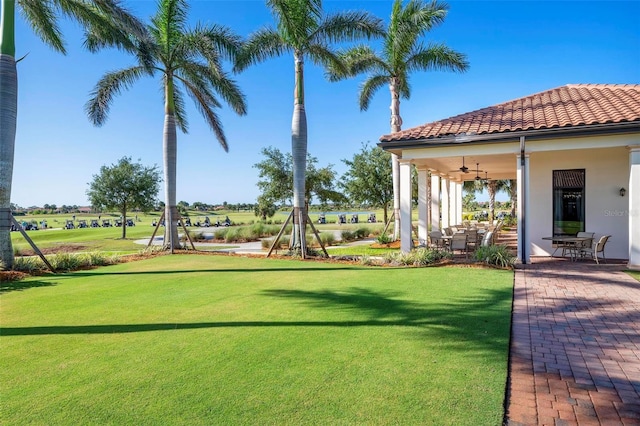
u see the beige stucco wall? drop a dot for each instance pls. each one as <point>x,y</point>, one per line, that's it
<point>606,171</point>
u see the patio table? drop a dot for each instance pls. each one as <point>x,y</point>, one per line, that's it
<point>567,244</point>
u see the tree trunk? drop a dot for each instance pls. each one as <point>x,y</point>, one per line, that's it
<point>299,154</point>
<point>8,118</point>
<point>123,212</point>
<point>170,160</point>
<point>513,192</point>
<point>396,126</point>
<point>491,189</point>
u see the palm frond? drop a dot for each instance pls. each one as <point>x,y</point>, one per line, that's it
<point>44,22</point>
<point>322,55</point>
<point>222,40</point>
<point>263,44</point>
<point>202,101</point>
<point>111,84</point>
<point>347,26</point>
<point>206,79</point>
<point>169,22</point>
<point>296,20</point>
<point>358,60</point>
<point>436,57</point>
<point>369,87</point>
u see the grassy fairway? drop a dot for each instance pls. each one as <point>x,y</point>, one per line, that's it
<point>229,340</point>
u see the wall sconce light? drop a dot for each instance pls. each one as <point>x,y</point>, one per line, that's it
<point>622,192</point>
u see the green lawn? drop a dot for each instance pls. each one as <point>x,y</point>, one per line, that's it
<point>230,340</point>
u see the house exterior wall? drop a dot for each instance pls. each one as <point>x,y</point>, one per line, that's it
<point>606,171</point>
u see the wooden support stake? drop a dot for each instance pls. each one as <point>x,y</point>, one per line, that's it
<point>30,241</point>
<point>156,230</point>
<point>286,222</point>
<point>317,236</point>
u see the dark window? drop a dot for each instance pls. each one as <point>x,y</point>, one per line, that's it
<point>568,202</point>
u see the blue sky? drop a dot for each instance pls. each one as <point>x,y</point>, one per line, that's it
<point>515,48</point>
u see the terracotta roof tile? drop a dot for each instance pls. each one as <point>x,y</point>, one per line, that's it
<point>565,106</point>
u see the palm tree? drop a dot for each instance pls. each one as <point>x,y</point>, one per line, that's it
<point>105,16</point>
<point>304,30</point>
<point>402,53</point>
<point>493,187</point>
<point>190,59</point>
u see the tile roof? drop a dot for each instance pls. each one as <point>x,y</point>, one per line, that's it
<point>566,106</point>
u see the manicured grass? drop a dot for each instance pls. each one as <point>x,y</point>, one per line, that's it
<point>361,250</point>
<point>634,274</point>
<point>231,340</point>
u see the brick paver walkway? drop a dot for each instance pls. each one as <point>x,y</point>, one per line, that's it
<point>575,348</point>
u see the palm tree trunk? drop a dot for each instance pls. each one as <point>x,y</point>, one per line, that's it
<point>299,154</point>
<point>396,126</point>
<point>170,160</point>
<point>8,119</point>
<point>513,192</point>
<point>491,189</point>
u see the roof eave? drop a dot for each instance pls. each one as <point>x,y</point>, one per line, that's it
<point>571,131</point>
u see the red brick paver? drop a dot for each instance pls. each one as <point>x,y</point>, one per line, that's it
<point>575,346</point>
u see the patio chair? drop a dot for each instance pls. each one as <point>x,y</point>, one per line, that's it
<point>575,248</point>
<point>487,240</point>
<point>436,240</point>
<point>459,242</point>
<point>448,231</point>
<point>595,249</point>
<point>472,238</point>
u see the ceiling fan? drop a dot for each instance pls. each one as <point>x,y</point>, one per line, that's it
<point>478,171</point>
<point>463,169</point>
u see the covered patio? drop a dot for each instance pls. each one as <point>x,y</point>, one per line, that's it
<point>574,152</point>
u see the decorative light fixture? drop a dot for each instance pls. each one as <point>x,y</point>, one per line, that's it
<point>622,192</point>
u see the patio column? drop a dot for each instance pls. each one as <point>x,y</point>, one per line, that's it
<point>458,203</point>
<point>633,192</point>
<point>522,177</point>
<point>405,206</point>
<point>445,203</point>
<point>422,205</point>
<point>435,202</point>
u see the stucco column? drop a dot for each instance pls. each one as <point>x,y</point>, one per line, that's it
<point>445,203</point>
<point>435,202</point>
<point>633,192</point>
<point>405,206</point>
<point>458,220</point>
<point>453,203</point>
<point>522,177</point>
<point>422,205</point>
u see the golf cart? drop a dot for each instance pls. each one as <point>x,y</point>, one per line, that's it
<point>372,218</point>
<point>82,223</point>
<point>69,224</point>
<point>322,218</point>
<point>106,223</point>
<point>94,223</point>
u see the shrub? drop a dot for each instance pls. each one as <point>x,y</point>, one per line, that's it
<point>96,258</point>
<point>418,257</point>
<point>384,239</point>
<point>348,236</point>
<point>361,233</point>
<point>65,262</point>
<point>220,233</point>
<point>28,264</point>
<point>497,255</point>
<point>327,238</point>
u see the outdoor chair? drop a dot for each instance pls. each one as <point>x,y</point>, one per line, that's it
<point>487,240</point>
<point>595,249</point>
<point>448,231</point>
<point>575,248</point>
<point>436,240</point>
<point>459,243</point>
<point>472,238</point>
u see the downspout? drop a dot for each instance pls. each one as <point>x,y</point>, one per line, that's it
<point>523,216</point>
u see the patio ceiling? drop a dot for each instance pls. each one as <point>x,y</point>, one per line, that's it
<point>496,166</point>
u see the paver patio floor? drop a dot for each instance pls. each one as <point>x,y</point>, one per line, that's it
<point>575,348</point>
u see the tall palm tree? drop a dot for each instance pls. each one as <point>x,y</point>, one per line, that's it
<point>402,53</point>
<point>187,60</point>
<point>304,30</point>
<point>105,16</point>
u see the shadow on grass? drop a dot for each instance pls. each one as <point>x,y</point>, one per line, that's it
<point>473,321</point>
<point>6,287</point>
